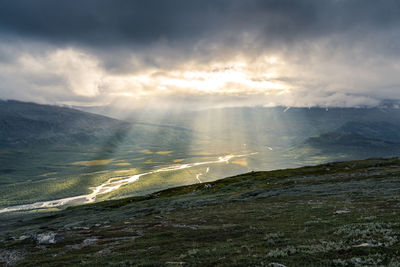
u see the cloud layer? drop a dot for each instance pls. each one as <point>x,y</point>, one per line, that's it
<point>200,53</point>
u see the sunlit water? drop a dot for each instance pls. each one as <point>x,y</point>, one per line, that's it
<point>114,184</point>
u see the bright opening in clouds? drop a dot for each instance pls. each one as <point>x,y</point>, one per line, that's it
<point>196,54</point>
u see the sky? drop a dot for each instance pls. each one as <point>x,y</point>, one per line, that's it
<point>200,54</point>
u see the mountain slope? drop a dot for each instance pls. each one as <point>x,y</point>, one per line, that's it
<point>378,130</point>
<point>337,214</point>
<point>374,138</point>
<point>24,124</point>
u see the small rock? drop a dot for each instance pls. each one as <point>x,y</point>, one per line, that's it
<point>104,252</point>
<point>275,264</point>
<point>341,211</point>
<point>48,238</point>
<point>175,262</point>
<point>85,243</point>
<point>89,241</point>
<point>23,237</point>
<point>368,245</point>
<point>80,228</point>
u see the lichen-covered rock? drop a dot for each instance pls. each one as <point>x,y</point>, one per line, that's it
<point>48,238</point>
<point>11,257</point>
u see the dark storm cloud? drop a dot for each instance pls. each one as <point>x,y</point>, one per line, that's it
<point>110,22</point>
<point>333,52</point>
<point>123,22</point>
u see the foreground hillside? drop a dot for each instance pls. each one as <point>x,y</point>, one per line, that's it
<point>339,214</point>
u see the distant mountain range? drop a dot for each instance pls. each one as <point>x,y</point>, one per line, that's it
<point>24,123</point>
<point>373,138</point>
<point>378,130</point>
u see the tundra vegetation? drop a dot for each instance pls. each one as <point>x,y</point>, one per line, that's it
<point>336,214</point>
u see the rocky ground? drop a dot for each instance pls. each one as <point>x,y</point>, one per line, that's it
<point>339,214</point>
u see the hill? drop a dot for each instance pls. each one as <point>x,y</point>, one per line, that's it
<point>378,130</point>
<point>23,124</point>
<point>336,214</point>
<point>374,138</point>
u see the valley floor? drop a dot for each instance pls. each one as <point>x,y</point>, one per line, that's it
<point>338,214</point>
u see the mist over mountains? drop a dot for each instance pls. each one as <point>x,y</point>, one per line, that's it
<point>25,124</point>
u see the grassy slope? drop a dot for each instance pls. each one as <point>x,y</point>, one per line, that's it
<point>343,214</point>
